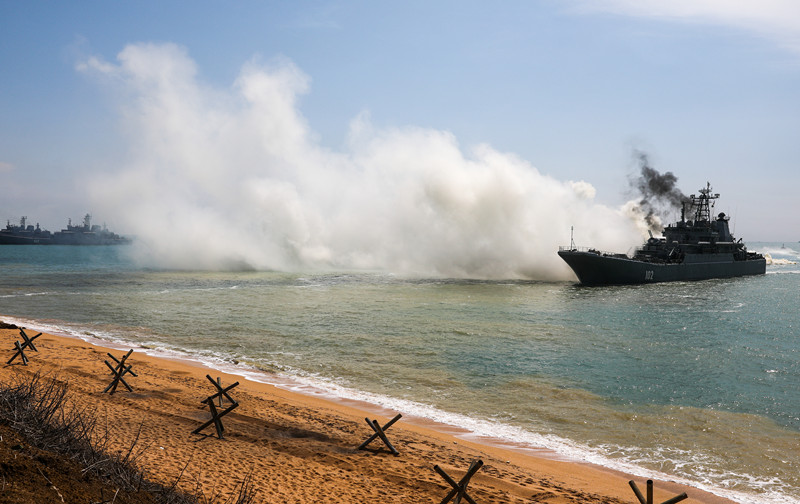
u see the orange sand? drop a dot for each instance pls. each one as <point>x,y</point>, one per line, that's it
<point>302,449</point>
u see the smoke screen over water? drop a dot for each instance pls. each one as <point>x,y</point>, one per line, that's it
<point>235,179</point>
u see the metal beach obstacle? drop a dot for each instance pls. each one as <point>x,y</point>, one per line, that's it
<point>216,415</point>
<point>27,343</point>
<point>28,339</point>
<point>380,432</point>
<point>459,490</point>
<point>649,499</point>
<point>21,352</point>
<point>120,370</point>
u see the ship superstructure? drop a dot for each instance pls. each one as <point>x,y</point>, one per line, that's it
<point>82,234</point>
<point>24,234</point>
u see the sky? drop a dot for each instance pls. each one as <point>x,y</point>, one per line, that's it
<point>449,138</point>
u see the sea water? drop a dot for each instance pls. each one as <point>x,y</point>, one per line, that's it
<point>698,382</point>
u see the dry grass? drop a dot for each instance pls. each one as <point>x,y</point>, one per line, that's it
<point>39,410</point>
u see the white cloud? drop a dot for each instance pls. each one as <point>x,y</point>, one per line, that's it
<point>778,20</point>
<point>97,65</point>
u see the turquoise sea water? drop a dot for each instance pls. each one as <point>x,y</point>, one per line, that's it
<point>699,381</point>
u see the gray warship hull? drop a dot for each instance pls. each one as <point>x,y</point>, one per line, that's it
<point>596,268</point>
<point>18,239</point>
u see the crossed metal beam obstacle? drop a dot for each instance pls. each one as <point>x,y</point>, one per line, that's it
<point>649,499</point>
<point>119,371</point>
<point>459,490</point>
<point>380,432</point>
<point>27,343</point>
<point>216,415</point>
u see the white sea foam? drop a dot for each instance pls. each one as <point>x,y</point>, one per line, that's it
<point>772,261</point>
<point>25,294</point>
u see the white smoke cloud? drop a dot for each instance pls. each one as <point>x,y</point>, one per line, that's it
<point>234,178</point>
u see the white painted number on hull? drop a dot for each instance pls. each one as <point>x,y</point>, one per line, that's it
<point>648,275</point>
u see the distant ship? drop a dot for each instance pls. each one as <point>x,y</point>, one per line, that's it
<point>83,234</point>
<point>697,249</point>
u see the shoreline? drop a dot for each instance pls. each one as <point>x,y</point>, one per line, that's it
<point>312,438</point>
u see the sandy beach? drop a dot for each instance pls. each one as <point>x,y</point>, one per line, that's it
<point>300,448</point>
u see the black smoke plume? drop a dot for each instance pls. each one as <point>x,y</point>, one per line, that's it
<point>659,192</point>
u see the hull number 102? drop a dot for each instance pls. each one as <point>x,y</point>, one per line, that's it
<point>648,274</point>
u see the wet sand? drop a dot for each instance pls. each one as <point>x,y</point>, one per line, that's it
<point>301,448</point>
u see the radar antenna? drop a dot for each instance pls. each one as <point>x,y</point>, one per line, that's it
<point>703,204</point>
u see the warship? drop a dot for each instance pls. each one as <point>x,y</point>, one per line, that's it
<point>695,249</point>
<point>81,234</point>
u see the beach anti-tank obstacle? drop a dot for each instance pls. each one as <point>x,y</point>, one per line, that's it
<point>459,490</point>
<point>216,415</point>
<point>28,340</point>
<point>27,343</point>
<point>380,432</point>
<point>649,499</point>
<point>120,370</point>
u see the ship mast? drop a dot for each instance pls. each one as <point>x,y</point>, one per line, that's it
<point>703,204</point>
